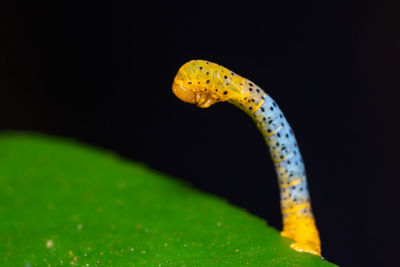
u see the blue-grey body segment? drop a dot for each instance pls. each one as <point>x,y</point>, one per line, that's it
<point>284,151</point>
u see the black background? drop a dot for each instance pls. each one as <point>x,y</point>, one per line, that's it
<point>101,72</point>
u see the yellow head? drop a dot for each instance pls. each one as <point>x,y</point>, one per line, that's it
<point>203,83</point>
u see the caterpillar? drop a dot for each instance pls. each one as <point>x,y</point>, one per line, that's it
<point>205,83</point>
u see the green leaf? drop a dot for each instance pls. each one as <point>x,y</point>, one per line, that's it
<point>65,203</point>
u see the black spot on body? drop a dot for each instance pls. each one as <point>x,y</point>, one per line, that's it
<point>225,92</point>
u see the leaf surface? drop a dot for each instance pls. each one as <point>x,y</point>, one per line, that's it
<point>66,203</point>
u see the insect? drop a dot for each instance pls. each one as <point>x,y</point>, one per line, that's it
<point>204,83</point>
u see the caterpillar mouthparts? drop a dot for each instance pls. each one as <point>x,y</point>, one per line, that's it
<point>205,100</point>
<point>200,98</point>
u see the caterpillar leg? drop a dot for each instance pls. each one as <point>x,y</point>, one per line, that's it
<point>302,229</point>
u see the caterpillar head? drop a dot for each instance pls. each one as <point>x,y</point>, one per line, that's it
<point>196,83</point>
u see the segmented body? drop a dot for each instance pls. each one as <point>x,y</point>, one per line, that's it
<point>211,83</point>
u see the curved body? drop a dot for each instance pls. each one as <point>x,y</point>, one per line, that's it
<point>204,83</point>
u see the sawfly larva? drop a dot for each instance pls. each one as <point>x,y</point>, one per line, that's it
<point>204,83</point>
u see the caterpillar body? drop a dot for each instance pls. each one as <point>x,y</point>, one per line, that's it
<point>204,83</point>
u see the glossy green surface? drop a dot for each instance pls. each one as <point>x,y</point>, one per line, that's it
<point>65,203</point>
